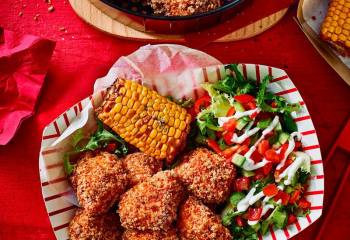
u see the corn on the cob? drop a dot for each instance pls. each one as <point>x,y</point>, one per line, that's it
<point>336,26</point>
<point>143,118</point>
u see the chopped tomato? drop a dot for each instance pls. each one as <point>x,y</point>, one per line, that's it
<point>231,112</point>
<point>228,137</point>
<point>283,150</point>
<point>258,176</point>
<point>230,125</point>
<point>272,156</point>
<point>254,214</point>
<point>242,183</point>
<point>297,145</point>
<point>239,221</point>
<point>214,145</point>
<point>256,156</point>
<point>218,134</point>
<point>254,114</point>
<point>228,152</point>
<point>250,105</point>
<point>274,104</point>
<point>270,190</point>
<point>304,204</point>
<point>267,168</point>
<point>277,173</point>
<point>243,149</point>
<point>244,98</point>
<point>294,196</point>
<point>284,197</point>
<point>246,142</point>
<point>263,146</point>
<point>111,147</point>
<point>202,102</point>
<point>291,219</point>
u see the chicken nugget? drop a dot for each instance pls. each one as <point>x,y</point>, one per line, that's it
<point>150,235</point>
<point>198,222</point>
<point>206,175</point>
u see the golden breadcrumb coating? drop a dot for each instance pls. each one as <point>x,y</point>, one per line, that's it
<point>206,175</point>
<point>183,7</point>
<point>150,235</point>
<point>87,227</point>
<point>198,222</point>
<point>152,204</point>
<point>140,166</point>
<point>99,181</point>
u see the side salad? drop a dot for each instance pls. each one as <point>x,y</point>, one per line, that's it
<point>253,128</point>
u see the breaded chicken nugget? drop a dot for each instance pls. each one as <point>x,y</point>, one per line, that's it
<point>152,204</point>
<point>150,235</point>
<point>140,166</point>
<point>198,222</point>
<point>87,227</point>
<point>206,175</point>
<point>99,181</point>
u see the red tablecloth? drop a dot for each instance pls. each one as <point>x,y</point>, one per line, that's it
<point>83,54</point>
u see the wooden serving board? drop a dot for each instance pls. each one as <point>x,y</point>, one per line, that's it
<point>105,18</point>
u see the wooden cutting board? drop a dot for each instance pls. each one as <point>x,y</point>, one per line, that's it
<point>104,17</point>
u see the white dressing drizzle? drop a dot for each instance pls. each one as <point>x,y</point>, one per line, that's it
<point>291,145</point>
<point>237,115</point>
<point>244,136</point>
<point>243,205</point>
<point>290,171</point>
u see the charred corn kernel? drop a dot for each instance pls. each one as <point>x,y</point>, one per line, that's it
<point>336,26</point>
<point>143,118</point>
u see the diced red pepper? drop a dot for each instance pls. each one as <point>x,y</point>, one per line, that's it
<point>228,152</point>
<point>274,104</point>
<point>244,98</point>
<point>258,176</point>
<point>283,151</point>
<point>111,147</point>
<point>304,204</point>
<point>254,114</point>
<point>242,183</point>
<point>214,146</point>
<point>250,105</point>
<point>267,168</point>
<point>297,145</point>
<point>247,141</point>
<point>254,214</point>
<point>243,149</point>
<point>272,156</point>
<point>202,102</point>
<point>228,137</point>
<point>291,219</point>
<point>284,197</point>
<point>239,221</point>
<point>256,156</point>
<point>270,190</point>
<point>230,125</point>
<point>218,134</point>
<point>294,197</point>
<point>263,146</point>
<point>231,112</point>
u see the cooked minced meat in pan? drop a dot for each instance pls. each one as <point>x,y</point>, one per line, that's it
<point>87,227</point>
<point>198,222</point>
<point>206,175</point>
<point>152,204</point>
<point>150,235</point>
<point>140,166</point>
<point>99,181</point>
<point>183,7</point>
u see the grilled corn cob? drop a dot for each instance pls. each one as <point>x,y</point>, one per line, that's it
<point>143,118</point>
<point>336,26</point>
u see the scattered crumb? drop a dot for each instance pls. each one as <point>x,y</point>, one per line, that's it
<point>313,18</point>
<point>36,17</point>
<point>50,8</point>
<point>62,29</point>
<point>20,14</point>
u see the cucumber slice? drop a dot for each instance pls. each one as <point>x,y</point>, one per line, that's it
<point>238,107</point>
<point>264,123</point>
<point>238,160</point>
<point>241,123</point>
<point>246,173</point>
<point>279,127</point>
<point>283,137</point>
<point>236,197</point>
<point>279,218</point>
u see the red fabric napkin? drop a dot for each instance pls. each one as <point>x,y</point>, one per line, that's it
<point>24,61</point>
<point>251,11</point>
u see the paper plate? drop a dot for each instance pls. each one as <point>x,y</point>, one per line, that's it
<point>58,196</point>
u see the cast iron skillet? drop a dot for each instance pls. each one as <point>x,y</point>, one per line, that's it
<point>136,14</point>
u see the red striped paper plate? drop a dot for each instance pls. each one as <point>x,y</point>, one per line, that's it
<point>59,198</point>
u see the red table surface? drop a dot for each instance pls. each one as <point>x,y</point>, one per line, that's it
<point>83,54</point>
